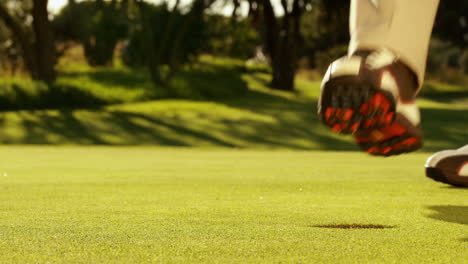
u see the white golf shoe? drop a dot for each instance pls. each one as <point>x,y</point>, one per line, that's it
<point>449,166</point>
<point>371,95</point>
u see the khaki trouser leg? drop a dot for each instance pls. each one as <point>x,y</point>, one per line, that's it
<point>403,26</point>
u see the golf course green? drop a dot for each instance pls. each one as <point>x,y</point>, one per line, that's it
<point>248,177</point>
<point>180,205</point>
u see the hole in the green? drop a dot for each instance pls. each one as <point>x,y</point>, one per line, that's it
<point>355,226</point>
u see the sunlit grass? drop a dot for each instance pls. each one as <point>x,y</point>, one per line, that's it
<point>217,102</point>
<point>179,205</point>
<point>220,170</point>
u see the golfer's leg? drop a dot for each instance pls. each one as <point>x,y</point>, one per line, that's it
<point>372,93</point>
<point>402,26</point>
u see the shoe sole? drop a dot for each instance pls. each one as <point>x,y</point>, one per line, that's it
<point>398,138</point>
<point>438,175</point>
<point>448,170</point>
<point>350,105</point>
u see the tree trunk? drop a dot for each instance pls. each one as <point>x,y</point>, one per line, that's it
<point>100,3</point>
<point>284,71</point>
<point>271,34</point>
<point>282,43</point>
<point>290,42</point>
<point>152,63</point>
<point>22,39</point>
<point>44,46</point>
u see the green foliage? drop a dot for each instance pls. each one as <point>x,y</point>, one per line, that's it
<point>231,37</point>
<point>4,34</point>
<point>451,23</point>
<point>98,26</point>
<point>74,22</point>
<point>323,59</point>
<point>19,94</point>
<point>442,56</point>
<point>464,61</point>
<point>4,43</point>
<point>81,87</point>
<point>323,28</point>
<point>108,26</point>
<point>164,39</point>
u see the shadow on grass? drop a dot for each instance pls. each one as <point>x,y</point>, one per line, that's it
<point>208,81</point>
<point>434,93</point>
<point>283,122</point>
<point>129,128</point>
<point>444,128</point>
<point>43,97</point>
<point>450,213</point>
<point>112,77</point>
<point>213,83</point>
<point>268,120</point>
<point>69,127</point>
<point>446,97</point>
<point>106,86</point>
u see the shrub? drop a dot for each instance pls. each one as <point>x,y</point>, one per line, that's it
<point>230,37</point>
<point>442,56</point>
<point>97,27</point>
<point>323,59</point>
<point>464,61</point>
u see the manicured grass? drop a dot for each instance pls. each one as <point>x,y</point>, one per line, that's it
<point>180,205</point>
<point>252,189</point>
<point>214,103</point>
<point>82,87</point>
<point>258,120</point>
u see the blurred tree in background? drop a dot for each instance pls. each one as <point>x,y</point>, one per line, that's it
<point>97,25</point>
<point>28,23</point>
<point>450,49</point>
<point>326,32</point>
<point>163,39</point>
<point>452,23</point>
<point>282,37</point>
<point>9,60</point>
<point>230,36</point>
<point>166,37</point>
<point>304,29</point>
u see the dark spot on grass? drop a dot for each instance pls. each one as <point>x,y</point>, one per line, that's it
<point>355,226</point>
